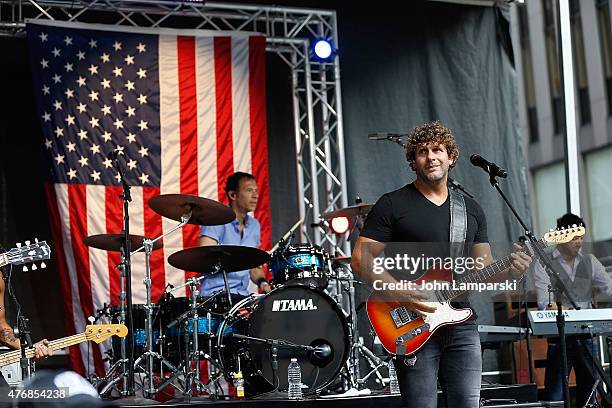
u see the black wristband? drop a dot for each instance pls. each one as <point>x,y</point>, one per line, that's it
<point>260,281</point>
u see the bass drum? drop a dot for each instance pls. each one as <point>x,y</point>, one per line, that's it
<point>298,314</point>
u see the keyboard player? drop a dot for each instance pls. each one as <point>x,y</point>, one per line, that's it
<point>582,274</point>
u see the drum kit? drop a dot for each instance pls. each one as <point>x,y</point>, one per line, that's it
<point>310,314</point>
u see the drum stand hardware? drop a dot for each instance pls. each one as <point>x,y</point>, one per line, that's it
<point>345,283</point>
<point>374,362</point>
<point>116,377</point>
<point>193,355</point>
<point>149,355</point>
<point>113,377</point>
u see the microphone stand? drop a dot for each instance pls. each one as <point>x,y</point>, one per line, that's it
<point>127,270</point>
<point>25,343</point>
<point>559,288</point>
<point>274,345</point>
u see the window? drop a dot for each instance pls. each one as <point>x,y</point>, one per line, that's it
<point>605,34</point>
<point>552,58</point>
<point>528,81</point>
<point>599,183</point>
<point>580,71</point>
<point>550,197</point>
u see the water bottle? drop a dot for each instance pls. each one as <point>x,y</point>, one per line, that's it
<point>239,385</point>
<point>393,384</point>
<point>294,374</point>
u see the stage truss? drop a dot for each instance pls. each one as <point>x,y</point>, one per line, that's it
<point>316,96</point>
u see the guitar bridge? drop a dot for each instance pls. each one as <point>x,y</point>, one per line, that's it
<point>402,316</point>
<point>413,333</point>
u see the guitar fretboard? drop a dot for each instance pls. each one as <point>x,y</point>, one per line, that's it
<point>14,356</point>
<point>477,276</point>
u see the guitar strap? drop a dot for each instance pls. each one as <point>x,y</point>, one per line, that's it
<point>458,223</point>
<point>458,233</point>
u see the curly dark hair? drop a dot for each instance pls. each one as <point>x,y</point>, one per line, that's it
<point>431,132</point>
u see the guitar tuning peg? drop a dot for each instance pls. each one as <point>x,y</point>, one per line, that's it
<point>36,240</point>
<point>27,242</point>
<point>18,245</point>
<point>34,267</point>
<point>25,268</point>
<point>551,230</point>
<point>91,319</point>
<point>43,265</point>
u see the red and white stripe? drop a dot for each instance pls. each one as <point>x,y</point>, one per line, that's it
<point>213,122</point>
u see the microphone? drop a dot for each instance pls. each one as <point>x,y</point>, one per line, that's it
<point>322,223</point>
<point>383,135</point>
<point>320,355</point>
<point>322,351</point>
<point>491,168</point>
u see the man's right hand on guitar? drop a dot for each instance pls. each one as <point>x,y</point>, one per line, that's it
<point>418,301</point>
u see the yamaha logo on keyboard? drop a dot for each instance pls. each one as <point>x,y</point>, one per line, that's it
<point>293,305</point>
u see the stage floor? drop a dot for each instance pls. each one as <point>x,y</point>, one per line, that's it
<point>494,396</point>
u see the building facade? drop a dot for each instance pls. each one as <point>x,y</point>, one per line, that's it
<point>542,113</point>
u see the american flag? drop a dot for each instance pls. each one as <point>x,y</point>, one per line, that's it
<point>185,109</point>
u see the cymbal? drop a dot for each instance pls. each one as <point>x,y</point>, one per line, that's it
<point>113,242</point>
<point>351,211</point>
<point>204,211</point>
<point>232,258</point>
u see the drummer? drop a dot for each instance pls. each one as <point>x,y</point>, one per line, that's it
<point>242,193</point>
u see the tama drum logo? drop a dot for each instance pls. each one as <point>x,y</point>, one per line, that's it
<point>293,305</point>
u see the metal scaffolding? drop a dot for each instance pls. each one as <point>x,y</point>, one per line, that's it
<point>317,102</point>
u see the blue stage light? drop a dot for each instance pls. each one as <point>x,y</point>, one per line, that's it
<point>323,50</point>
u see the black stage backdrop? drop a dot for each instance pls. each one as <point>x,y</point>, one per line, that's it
<point>399,69</point>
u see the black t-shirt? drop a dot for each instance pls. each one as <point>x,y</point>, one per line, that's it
<point>407,216</point>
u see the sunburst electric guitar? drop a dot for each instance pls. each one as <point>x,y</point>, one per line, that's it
<point>96,333</point>
<point>402,332</point>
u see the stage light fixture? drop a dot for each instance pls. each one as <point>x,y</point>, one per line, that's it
<point>323,50</point>
<point>339,225</point>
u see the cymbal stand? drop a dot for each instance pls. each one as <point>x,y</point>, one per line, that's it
<point>149,355</point>
<point>191,356</point>
<point>216,269</point>
<point>119,370</point>
<point>358,349</point>
<point>195,355</point>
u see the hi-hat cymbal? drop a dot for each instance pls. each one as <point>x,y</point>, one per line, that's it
<point>351,211</point>
<point>204,211</point>
<point>113,242</point>
<point>231,258</point>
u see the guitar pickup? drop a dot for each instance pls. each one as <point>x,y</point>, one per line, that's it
<point>402,316</point>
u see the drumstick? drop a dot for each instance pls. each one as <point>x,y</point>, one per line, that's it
<point>297,224</point>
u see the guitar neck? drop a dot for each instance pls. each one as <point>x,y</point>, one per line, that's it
<point>477,276</point>
<point>14,356</point>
